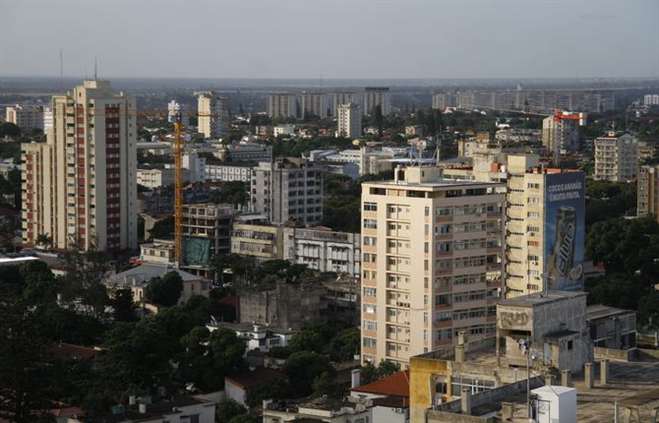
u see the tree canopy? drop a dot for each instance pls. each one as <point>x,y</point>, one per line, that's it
<point>165,291</point>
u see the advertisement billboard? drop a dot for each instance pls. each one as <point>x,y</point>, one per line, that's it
<point>565,230</point>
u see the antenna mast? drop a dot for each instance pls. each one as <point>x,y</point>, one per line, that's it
<point>178,189</point>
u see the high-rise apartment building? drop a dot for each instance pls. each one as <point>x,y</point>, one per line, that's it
<point>79,188</point>
<point>282,106</point>
<point>648,192</point>
<point>25,117</point>
<point>651,99</point>
<point>431,262</point>
<point>560,132</point>
<point>616,157</point>
<point>349,121</point>
<point>545,227</point>
<point>288,189</point>
<point>314,104</point>
<point>213,117</point>
<point>345,97</point>
<point>206,234</point>
<point>441,101</point>
<point>376,97</point>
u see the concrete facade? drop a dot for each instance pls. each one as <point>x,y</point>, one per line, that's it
<point>349,121</point>
<point>616,158</point>
<point>213,115</point>
<point>323,250</point>
<point>431,262</point>
<point>79,188</point>
<point>288,189</point>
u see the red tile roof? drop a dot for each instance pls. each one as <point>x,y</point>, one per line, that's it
<point>398,384</point>
<point>253,378</point>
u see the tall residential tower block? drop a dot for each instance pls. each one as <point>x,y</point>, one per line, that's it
<point>79,188</point>
<point>431,262</point>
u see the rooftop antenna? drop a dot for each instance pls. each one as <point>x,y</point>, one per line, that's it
<point>95,68</point>
<point>61,69</point>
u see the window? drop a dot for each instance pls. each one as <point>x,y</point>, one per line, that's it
<point>370,308</point>
<point>370,224</point>
<point>570,344</point>
<point>370,207</point>
<point>370,325</point>
<point>370,240</point>
<point>444,211</point>
<point>369,342</point>
<point>369,258</point>
<point>369,292</point>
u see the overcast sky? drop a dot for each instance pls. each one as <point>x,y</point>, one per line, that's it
<point>331,38</point>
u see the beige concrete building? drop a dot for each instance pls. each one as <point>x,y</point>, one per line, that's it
<point>616,157</point>
<point>207,233</point>
<point>349,121</point>
<point>214,120</point>
<point>323,249</point>
<point>263,242</point>
<point>79,188</point>
<point>560,132</point>
<point>431,262</point>
<point>647,192</point>
<point>25,117</point>
<point>545,227</point>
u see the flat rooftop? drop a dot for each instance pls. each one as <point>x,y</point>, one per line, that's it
<point>435,183</point>
<point>600,311</point>
<point>539,298</point>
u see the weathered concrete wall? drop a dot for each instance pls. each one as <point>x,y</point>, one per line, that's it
<point>422,385</point>
<point>601,353</point>
<point>444,417</point>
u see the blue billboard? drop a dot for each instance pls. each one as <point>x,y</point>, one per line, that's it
<point>565,230</point>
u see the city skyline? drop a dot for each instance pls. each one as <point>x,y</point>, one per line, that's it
<point>473,39</point>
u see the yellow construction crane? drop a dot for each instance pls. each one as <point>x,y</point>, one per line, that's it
<point>178,190</point>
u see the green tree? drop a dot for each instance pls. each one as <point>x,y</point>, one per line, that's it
<point>302,368</point>
<point>344,345</point>
<point>165,291</point>
<point>208,357</point>
<point>228,409</point>
<point>244,418</point>
<point>8,129</point>
<point>83,281</point>
<point>123,306</point>
<point>325,384</point>
<point>24,381</point>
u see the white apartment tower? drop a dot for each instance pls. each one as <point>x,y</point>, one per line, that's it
<point>616,157</point>
<point>79,188</point>
<point>431,262</point>
<point>213,115</point>
<point>349,121</point>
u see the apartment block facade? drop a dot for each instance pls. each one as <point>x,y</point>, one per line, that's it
<point>213,116</point>
<point>282,106</point>
<point>349,121</point>
<point>616,157</point>
<point>431,262</point>
<point>288,189</point>
<point>79,188</point>
<point>545,227</point>
<point>207,233</point>
<point>25,117</point>
<point>648,192</point>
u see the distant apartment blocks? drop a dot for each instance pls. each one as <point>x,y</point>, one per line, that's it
<point>213,115</point>
<point>349,121</point>
<point>303,105</point>
<point>79,188</point>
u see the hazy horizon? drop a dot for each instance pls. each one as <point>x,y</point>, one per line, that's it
<point>332,40</point>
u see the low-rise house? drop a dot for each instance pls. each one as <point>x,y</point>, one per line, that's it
<point>257,337</point>
<point>611,327</point>
<point>138,278</point>
<point>238,387</point>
